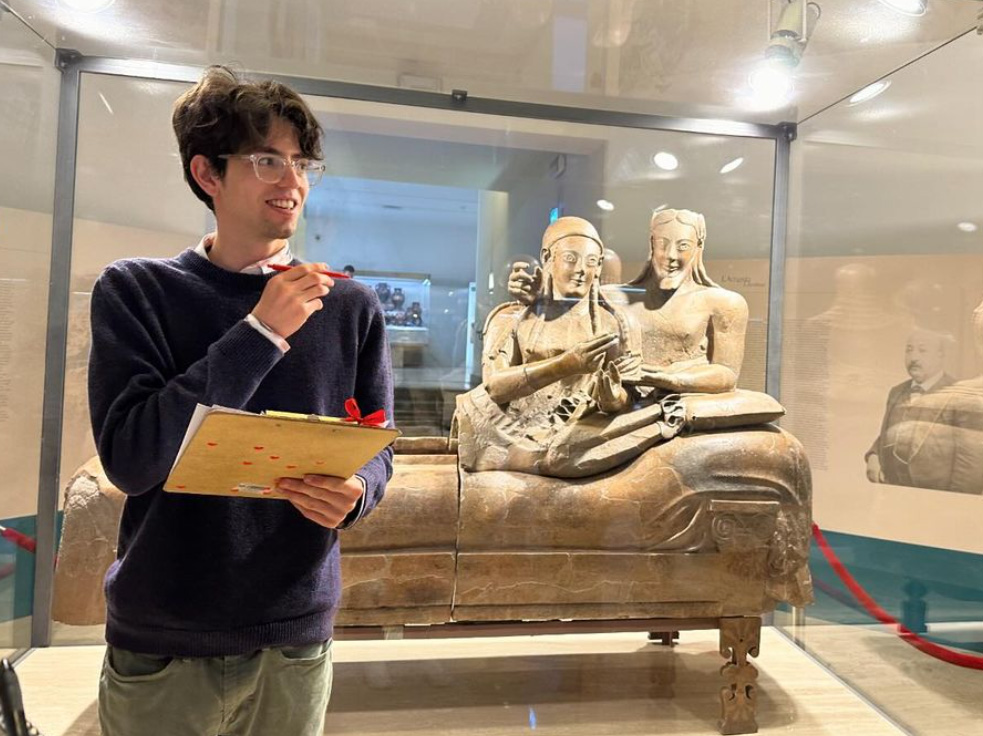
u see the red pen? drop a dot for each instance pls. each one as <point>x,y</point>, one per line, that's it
<point>284,267</point>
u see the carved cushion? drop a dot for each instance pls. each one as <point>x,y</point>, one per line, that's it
<point>745,495</point>
<point>659,501</point>
<point>738,408</point>
<point>88,546</point>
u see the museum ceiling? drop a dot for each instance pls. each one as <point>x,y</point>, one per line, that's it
<point>678,57</point>
<point>916,144</point>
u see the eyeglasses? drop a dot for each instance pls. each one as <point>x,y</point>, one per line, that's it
<point>271,168</point>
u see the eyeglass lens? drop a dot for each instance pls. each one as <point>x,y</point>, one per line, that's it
<point>272,169</point>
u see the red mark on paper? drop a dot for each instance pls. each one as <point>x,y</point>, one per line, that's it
<point>258,447</point>
<point>274,457</point>
<point>291,466</point>
<point>180,488</point>
<point>212,444</point>
<point>246,462</point>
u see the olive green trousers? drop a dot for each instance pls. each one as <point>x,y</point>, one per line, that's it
<point>273,692</point>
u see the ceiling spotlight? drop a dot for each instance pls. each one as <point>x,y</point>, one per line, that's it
<point>771,81</point>
<point>791,35</point>
<point>907,7</point>
<point>605,205</point>
<point>869,92</point>
<point>968,227</point>
<point>729,167</point>
<point>87,6</point>
<point>771,84</point>
<point>666,161</point>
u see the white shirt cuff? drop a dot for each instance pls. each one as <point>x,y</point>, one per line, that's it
<point>266,332</point>
<point>356,513</point>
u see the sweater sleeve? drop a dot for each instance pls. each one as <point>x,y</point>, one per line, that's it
<point>374,390</point>
<point>139,406</point>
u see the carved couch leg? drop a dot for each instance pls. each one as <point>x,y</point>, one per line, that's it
<point>739,638</point>
<point>665,638</point>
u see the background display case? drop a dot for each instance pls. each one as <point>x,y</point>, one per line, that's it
<point>405,300</point>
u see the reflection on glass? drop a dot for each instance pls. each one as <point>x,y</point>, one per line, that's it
<point>881,375</point>
<point>28,117</point>
<point>432,209</point>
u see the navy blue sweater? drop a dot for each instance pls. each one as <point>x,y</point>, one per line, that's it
<point>201,575</point>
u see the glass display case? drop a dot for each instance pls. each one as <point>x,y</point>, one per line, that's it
<point>405,300</point>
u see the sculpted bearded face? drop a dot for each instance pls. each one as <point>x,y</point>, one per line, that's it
<point>576,263</point>
<point>675,246</point>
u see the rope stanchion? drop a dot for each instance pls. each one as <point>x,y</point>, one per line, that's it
<point>870,605</point>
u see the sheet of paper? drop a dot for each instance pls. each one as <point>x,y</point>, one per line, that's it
<point>201,411</point>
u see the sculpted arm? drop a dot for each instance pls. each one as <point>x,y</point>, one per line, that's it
<point>726,330</point>
<point>507,378</point>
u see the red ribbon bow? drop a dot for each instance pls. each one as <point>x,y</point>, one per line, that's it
<point>375,419</point>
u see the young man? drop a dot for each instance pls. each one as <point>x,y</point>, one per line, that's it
<point>220,610</point>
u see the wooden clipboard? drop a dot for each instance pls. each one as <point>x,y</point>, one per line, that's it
<point>231,453</point>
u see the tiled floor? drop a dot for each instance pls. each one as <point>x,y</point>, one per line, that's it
<point>574,685</point>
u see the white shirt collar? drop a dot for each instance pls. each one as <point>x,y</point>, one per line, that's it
<point>929,383</point>
<point>282,256</point>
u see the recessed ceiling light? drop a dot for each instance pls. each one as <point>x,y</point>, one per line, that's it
<point>729,167</point>
<point>605,205</point>
<point>908,7</point>
<point>968,227</point>
<point>87,6</point>
<point>869,92</point>
<point>666,161</point>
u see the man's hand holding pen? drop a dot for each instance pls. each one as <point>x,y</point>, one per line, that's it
<point>291,297</point>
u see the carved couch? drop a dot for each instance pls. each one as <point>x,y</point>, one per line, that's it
<point>708,548</point>
<point>456,553</point>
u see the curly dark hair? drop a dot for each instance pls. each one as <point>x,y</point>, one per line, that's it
<point>226,114</point>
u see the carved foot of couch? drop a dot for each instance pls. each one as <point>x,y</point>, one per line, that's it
<point>665,638</point>
<point>740,637</point>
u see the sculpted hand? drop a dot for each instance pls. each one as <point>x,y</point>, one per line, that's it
<point>610,395</point>
<point>525,287</point>
<point>650,376</point>
<point>874,473</point>
<point>291,297</point>
<point>629,366</point>
<point>586,357</point>
<point>324,499</point>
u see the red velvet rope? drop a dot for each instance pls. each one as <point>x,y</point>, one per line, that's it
<point>906,634</point>
<point>19,538</point>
